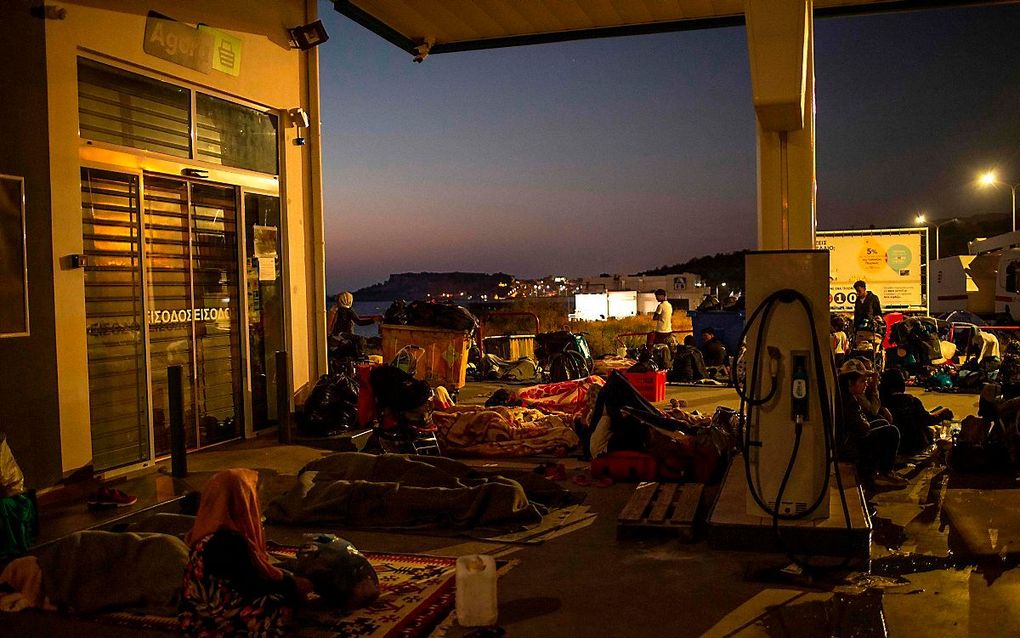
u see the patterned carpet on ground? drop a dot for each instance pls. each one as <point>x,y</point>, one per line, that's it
<point>416,594</point>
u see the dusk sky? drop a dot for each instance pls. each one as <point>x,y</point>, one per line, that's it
<point>622,154</point>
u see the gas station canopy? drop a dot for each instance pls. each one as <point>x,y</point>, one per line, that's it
<point>444,26</point>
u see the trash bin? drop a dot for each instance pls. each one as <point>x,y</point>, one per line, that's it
<point>727,325</point>
<point>446,352</point>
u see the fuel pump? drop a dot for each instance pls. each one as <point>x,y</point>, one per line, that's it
<point>788,395</point>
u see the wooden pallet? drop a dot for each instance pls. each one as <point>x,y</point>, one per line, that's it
<point>661,507</point>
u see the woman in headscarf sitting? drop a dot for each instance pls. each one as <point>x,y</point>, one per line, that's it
<point>231,586</point>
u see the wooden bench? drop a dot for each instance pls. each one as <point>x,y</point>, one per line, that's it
<point>661,507</point>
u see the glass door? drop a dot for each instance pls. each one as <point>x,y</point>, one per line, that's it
<point>190,236</point>
<point>265,302</point>
<point>217,312</point>
<point>114,318</point>
<point>167,231</point>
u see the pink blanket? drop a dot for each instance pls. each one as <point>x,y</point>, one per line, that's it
<point>574,398</point>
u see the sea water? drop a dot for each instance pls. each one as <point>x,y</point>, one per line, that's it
<point>366,308</point>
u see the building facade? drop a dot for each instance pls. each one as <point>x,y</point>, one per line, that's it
<point>168,153</point>
<point>686,290</point>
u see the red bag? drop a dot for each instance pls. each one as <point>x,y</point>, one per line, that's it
<point>625,466</point>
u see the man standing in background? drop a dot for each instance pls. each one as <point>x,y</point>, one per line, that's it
<point>663,317</point>
<point>867,306</point>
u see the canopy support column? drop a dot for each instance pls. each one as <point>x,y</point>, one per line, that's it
<point>780,39</point>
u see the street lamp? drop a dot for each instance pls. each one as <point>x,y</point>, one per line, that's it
<point>991,178</point>
<point>922,220</point>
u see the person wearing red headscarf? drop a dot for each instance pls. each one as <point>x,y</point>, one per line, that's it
<point>231,586</point>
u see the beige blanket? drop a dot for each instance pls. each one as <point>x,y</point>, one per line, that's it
<point>501,431</point>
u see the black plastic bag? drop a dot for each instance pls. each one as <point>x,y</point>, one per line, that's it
<point>396,314</point>
<point>442,316</point>
<point>332,406</point>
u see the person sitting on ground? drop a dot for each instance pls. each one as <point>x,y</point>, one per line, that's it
<point>908,413</point>
<point>870,401</point>
<point>712,348</point>
<point>872,443</point>
<point>688,364</point>
<point>1009,370</point>
<point>341,327</point>
<point>231,586</point>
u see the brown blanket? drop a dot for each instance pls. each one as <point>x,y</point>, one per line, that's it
<point>397,491</point>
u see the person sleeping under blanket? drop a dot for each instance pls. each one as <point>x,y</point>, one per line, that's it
<point>94,571</point>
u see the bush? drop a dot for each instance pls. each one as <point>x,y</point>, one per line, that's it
<point>604,337</point>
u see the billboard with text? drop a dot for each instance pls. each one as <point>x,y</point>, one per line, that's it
<point>891,261</point>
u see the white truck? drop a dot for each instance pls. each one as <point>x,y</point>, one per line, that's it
<point>984,282</point>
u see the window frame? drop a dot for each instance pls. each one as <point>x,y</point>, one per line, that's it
<point>193,90</point>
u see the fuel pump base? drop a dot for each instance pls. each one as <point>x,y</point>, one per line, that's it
<point>731,528</point>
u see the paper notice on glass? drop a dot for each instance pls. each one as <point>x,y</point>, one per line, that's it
<point>265,241</point>
<point>267,268</point>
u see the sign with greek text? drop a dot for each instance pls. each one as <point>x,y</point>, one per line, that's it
<point>179,43</point>
<point>187,315</point>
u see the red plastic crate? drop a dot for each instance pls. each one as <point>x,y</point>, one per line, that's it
<point>651,385</point>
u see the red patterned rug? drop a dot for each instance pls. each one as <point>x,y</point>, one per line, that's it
<point>416,594</point>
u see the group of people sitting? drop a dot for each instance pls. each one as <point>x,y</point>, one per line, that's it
<point>879,420</point>
<point>220,577</point>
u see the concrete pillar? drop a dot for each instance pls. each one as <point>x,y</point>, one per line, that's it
<point>780,39</point>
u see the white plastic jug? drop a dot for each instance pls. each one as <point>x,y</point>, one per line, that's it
<point>476,591</point>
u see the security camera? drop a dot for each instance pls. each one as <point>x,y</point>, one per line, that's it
<point>299,141</point>
<point>299,118</point>
<point>420,57</point>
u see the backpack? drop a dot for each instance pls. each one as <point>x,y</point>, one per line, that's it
<point>342,576</point>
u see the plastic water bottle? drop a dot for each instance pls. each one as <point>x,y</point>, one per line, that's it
<point>476,591</point>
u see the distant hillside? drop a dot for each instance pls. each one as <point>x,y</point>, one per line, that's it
<point>715,269</point>
<point>421,285</point>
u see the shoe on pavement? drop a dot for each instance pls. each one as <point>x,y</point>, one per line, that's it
<point>110,497</point>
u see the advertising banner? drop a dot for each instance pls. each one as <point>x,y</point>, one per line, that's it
<point>890,261</point>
